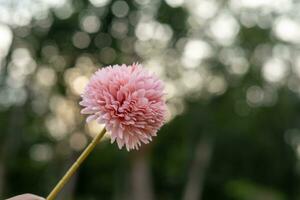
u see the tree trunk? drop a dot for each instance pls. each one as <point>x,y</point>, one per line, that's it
<point>68,191</point>
<point>2,172</point>
<point>11,144</point>
<point>195,183</point>
<point>141,180</point>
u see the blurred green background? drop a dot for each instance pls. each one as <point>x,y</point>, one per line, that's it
<point>232,74</point>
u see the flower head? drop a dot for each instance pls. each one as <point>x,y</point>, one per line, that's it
<point>128,100</point>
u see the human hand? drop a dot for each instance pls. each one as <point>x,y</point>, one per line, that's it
<point>26,197</point>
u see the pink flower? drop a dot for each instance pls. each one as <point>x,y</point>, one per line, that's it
<point>129,101</point>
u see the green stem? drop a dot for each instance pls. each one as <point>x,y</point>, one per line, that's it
<point>76,165</point>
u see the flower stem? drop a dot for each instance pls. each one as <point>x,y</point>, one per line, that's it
<point>76,165</point>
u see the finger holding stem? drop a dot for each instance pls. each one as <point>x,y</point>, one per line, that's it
<point>76,165</point>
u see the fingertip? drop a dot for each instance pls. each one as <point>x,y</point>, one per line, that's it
<point>27,197</point>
